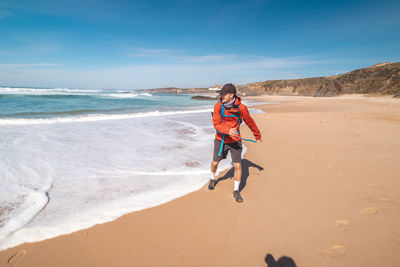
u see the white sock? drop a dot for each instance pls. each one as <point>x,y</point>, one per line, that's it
<point>212,177</point>
<point>236,187</point>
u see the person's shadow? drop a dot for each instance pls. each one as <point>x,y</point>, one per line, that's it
<point>246,164</point>
<point>282,262</point>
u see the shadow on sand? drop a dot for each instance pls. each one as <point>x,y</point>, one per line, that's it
<point>282,262</point>
<point>246,164</point>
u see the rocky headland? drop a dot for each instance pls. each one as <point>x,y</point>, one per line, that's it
<point>202,97</point>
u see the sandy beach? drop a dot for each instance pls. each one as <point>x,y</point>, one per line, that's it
<point>323,189</point>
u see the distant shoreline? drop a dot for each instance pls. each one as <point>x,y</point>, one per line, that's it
<point>380,79</point>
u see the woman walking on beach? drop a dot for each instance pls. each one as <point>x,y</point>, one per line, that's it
<point>229,112</point>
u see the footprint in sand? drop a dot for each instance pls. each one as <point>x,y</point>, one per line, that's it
<point>388,197</point>
<point>369,211</point>
<point>13,259</point>
<point>390,200</point>
<point>375,186</point>
<point>342,176</point>
<point>382,195</point>
<point>342,224</point>
<point>335,251</point>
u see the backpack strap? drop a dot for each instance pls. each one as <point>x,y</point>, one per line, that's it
<point>237,115</point>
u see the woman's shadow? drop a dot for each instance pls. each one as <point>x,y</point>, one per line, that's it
<point>282,262</point>
<point>246,164</point>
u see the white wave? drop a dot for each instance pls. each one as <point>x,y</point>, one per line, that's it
<point>34,203</point>
<point>43,91</point>
<point>125,91</point>
<point>125,95</point>
<point>96,117</point>
<point>100,214</point>
<point>130,95</point>
<point>67,91</point>
<point>146,94</point>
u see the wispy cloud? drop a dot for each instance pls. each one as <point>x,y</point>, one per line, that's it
<point>177,55</point>
<point>176,58</point>
<point>32,49</point>
<point>142,52</point>
<point>4,14</point>
<point>43,49</point>
<point>28,65</point>
<point>205,58</point>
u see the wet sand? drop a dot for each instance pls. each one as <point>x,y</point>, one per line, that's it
<point>323,189</point>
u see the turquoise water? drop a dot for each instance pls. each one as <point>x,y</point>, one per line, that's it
<point>48,103</point>
<point>73,158</point>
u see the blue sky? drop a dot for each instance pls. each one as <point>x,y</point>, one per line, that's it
<point>150,44</point>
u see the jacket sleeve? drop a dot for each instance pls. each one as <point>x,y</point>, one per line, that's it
<point>250,122</point>
<point>219,124</point>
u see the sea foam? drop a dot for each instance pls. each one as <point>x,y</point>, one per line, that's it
<point>97,117</point>
<point>88,173</point>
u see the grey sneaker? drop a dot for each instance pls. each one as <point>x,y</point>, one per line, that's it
<point>211,184</point>
<point>237,196</point>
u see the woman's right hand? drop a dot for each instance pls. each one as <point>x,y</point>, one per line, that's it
<point>233,132</point>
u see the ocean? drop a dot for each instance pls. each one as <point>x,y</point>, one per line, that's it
<point>73,158</point>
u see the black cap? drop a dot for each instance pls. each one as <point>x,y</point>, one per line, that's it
<point>228,88</point>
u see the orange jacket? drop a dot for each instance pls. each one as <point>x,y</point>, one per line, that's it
<point>223,125</point>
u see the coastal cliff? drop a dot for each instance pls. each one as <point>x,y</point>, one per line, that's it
<point>382,79</point>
